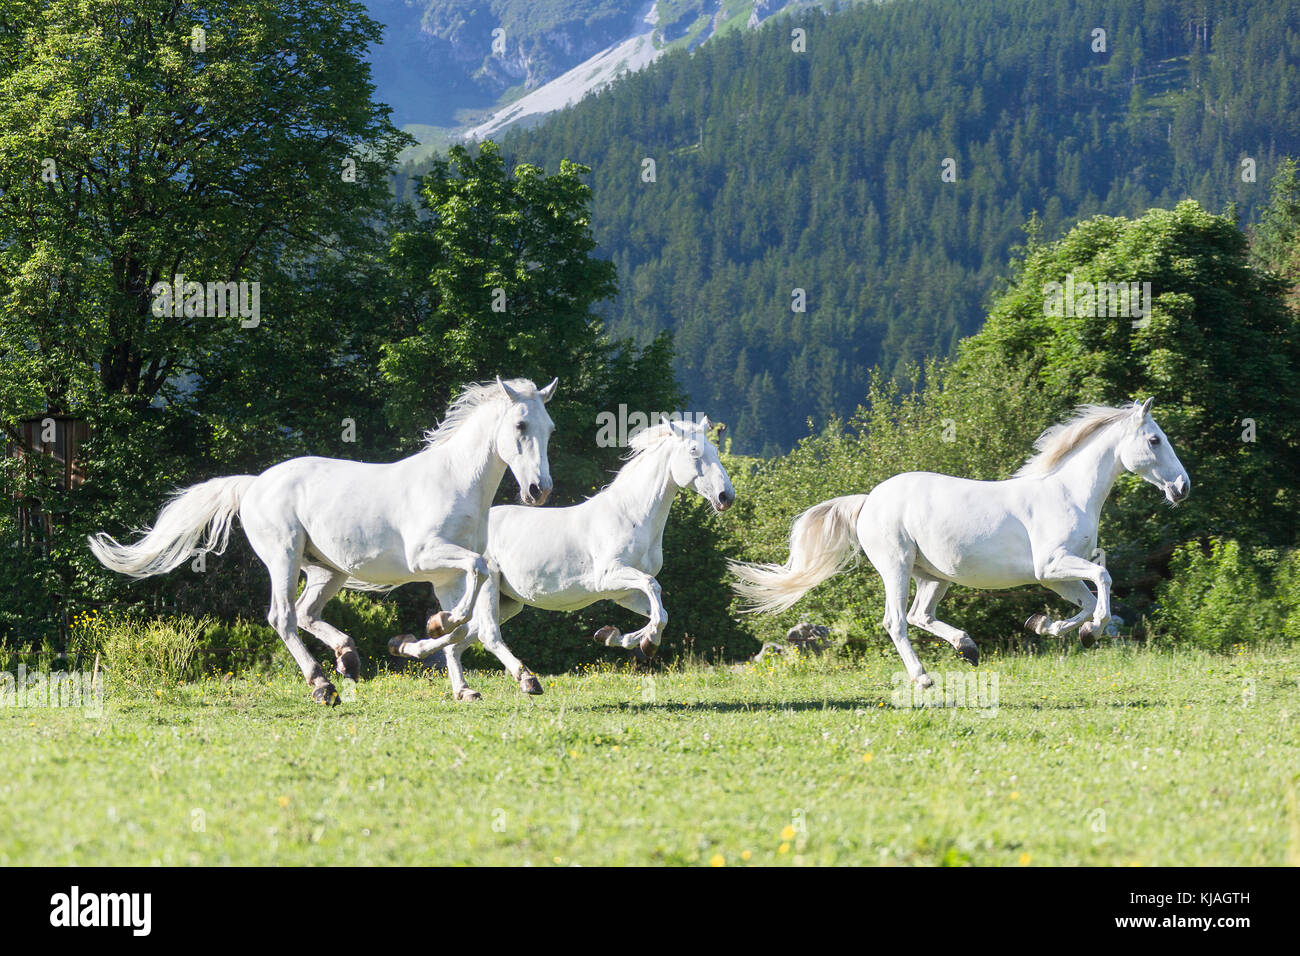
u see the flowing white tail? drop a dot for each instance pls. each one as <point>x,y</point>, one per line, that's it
<point>197,519</point>
<point>822,543</point>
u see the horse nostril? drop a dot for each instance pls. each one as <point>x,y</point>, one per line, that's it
<point>534,491</point>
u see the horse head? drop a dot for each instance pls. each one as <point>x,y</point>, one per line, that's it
<point>523,434</point>
<point>695,463</point>
<point>1146,451</point>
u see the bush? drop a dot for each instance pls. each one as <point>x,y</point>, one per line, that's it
<point>1221,593</point>
<point>147,652</point>
<point>240,646</point>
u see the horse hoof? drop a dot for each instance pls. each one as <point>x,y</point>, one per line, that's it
<point>649,648</point>
<point>349,663</point>
<point>1036,623</point>
<point>924,681</point>
<point>466,694</point>
<point>396,644</point>
<point>325,694</point>
<point>1088,634</point>
<point>529,684</point>
<point>438,624</point>
<point>606,634</point>
<point>969,652</point>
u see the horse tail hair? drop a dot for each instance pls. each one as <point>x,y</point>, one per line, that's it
<point>196,520</point>
<point>823,541</point>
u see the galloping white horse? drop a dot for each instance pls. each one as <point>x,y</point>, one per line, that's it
<point>424,518</point>
<point>1038,526</point>
<point>609,547</point>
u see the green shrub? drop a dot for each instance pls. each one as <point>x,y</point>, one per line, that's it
<point>240,646</point>
<point>1286,593</point>
<point>150,652</point>
<point>1220,594</point>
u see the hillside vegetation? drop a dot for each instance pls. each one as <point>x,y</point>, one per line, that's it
<point>777,170</point>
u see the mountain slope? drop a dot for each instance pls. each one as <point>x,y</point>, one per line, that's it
<point>451,68</point>
<point>822,171</point>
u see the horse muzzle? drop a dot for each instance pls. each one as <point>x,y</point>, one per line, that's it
<point>536,494</point>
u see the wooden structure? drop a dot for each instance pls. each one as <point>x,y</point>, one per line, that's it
<point>58,437</point>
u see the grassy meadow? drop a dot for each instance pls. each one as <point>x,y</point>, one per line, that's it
<point>1118,756</point>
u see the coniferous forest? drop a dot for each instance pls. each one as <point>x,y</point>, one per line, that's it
<point>817,162</point>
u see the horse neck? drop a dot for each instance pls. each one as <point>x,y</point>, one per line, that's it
<point>1091,470</point>
<point>469,458</point>
<point>644,489</point>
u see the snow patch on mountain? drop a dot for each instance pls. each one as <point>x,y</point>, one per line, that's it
<point>633,53</point>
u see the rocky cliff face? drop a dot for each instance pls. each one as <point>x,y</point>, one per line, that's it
<point>442,61</point>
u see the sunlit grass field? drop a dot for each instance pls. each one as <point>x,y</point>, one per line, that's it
<point>1118,756</point>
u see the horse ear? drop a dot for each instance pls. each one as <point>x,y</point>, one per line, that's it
<point>548,391</point>
<point>705,424</point>
<point>509,392</point>
<point>1146,407</point>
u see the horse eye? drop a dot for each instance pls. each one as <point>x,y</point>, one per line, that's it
<point>521,427</point>
<point>1153,441</point>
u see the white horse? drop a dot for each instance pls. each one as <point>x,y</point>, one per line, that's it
<point>609,547</point>
<point>424,518</point>
<point>1038,526</point>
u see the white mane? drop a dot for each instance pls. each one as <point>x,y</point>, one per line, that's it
<point>1056,443</point>
<point>471,398</point>
<point>648,440</point>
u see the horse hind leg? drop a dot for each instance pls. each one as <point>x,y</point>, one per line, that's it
<point>929,592</point>
<point>895,571</point>
<point>322,584</point>
<point>282,559</point>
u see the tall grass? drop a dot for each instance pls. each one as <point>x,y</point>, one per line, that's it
<point>143,652</point>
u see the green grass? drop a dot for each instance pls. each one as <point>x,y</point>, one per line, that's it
<point>1117,756</point>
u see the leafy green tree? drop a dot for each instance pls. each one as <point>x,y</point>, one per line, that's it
<point>1275,240</point>
<point>138,143</point>
<point>223,142</point>
<point>498,276</point>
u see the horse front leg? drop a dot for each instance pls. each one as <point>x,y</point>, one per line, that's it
<point>487,628</point>
<point>646,598</point>
<point>440,556</point>
<point>1077,593</point>
<point>1062,566</point>
<point>446,627</point>
<point>460,688</point>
